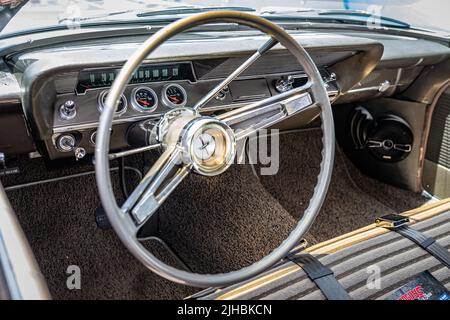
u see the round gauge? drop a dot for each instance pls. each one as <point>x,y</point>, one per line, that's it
<point>174,96</point>
<point>144,99</point>
<point>121,107</point>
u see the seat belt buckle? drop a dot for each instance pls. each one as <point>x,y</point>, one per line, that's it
<point>392,221</point>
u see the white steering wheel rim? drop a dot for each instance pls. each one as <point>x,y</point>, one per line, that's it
<point>116,215</point>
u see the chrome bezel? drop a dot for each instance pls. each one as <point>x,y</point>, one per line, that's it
<point>101,105</point>
<point>136,106</point>
<point>196,127</point>
<point>92,137</point>
<point>63,148</point>
<point>165,100</point>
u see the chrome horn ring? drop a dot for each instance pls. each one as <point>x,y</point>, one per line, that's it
<point>152,192</point>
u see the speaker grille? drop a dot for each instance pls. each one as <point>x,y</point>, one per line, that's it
<point>438,149</point>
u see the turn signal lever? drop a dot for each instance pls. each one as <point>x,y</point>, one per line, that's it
<point>140,134</point>
<point>139,138</point>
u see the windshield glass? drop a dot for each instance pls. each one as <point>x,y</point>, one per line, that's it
<point>20,15</point>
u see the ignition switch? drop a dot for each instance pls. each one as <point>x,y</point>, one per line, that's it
<point>66,142</point>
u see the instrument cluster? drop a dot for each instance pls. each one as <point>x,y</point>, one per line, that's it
<point>152,91</point>
<point>146,100</point>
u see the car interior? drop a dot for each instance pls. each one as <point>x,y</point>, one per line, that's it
<point>106,163</point>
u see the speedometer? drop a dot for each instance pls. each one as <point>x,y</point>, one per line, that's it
<point>144,99</point>
<point>174,95</point>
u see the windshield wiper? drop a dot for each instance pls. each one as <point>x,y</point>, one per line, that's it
<point>338,16</point>
<point>171,11</point>
<point>365,17</point>
<point>190,10</point>
<point>100,16</point>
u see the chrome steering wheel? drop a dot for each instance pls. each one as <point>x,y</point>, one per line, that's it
<point>181,133</point>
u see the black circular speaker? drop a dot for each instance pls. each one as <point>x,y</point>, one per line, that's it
<point>389,138</point>
<point>360,123</point>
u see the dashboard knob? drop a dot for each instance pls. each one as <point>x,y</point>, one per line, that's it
<point>66,142</point>
<point>68,110</point>
<point>384,86</point>
<point>329,79</point>
<point>80,153</point>
<point>284,84</point>
<point>223,93</point>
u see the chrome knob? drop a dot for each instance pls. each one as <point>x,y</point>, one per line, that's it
<point>223,93</point>
<point>68,110</point>
<point>80,153</point>
<point>329,79</point>
<point>384,86</point>
<point>284,84</point>
<point>66,142</point>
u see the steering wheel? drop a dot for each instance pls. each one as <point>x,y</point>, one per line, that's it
<point>206,145</point>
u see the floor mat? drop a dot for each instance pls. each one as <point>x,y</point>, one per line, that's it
<point>353,200</point>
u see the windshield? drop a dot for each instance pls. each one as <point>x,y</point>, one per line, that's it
<point>21,15</point>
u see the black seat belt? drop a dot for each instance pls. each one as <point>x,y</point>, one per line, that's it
<point>321,275</point>
<point>398,223</point>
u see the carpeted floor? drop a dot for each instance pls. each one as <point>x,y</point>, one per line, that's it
<point>215,224</point>
<point>58,219</point>
<point>232,222</point>
<point>353,200</point>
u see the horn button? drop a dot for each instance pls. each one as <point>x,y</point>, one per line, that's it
<point>207,143</point>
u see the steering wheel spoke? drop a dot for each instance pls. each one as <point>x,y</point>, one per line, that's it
<point>160,181</point>
<point>263,114</point>
<point>247,63</point>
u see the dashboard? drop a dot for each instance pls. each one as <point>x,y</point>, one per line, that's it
<point>60,90</point>
<point>153,90</point>
<point>156,88</point>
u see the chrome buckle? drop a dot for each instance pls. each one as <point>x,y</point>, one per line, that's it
<point>392,221</point>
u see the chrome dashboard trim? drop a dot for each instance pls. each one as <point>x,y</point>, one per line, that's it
<point>93,125</point>
<point>373,88</point>
<point>333,94</point>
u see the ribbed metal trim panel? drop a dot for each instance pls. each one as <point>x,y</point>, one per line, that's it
<point>398,259</point>
<point>438,148</point>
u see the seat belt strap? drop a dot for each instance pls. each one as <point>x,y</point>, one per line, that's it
<point>429,244</point>
<point>322,276</point>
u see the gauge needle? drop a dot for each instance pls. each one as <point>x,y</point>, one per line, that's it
<point>174,99</point>
<point>146,103</point>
